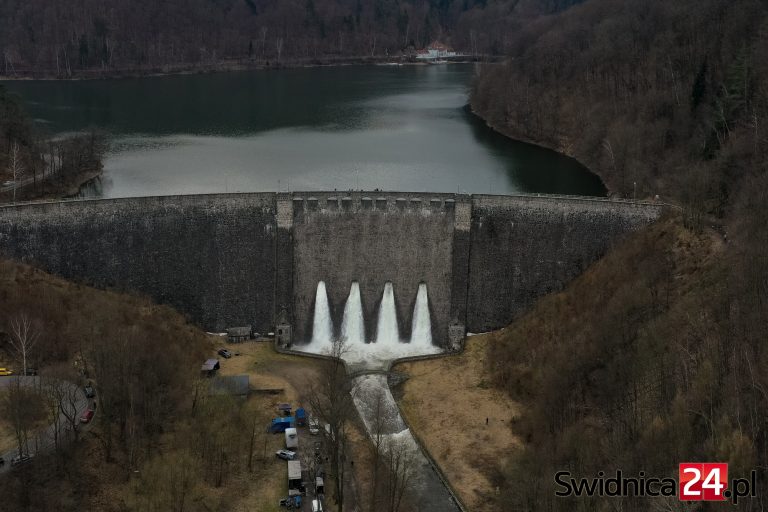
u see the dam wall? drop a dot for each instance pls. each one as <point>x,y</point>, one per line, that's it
<point>238,259</point>
<point>211,257</point>
<point>405,239</point>
<point>524,247</point>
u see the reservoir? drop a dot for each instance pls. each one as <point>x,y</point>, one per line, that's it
<point>349,127</point>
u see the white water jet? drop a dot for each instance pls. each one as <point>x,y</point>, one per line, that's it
<point>387,332</point>
<point>421,327</point>
<point>353,325</point>
<point>387,347</point>
<point>322,328</point>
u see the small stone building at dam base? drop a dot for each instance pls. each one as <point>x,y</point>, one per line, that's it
<point>256,258</point>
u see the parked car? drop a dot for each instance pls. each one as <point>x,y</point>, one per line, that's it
<point>5,372</point>
<point>20,459</point>
<point>226,354</point>
<point>8,183</point>
<point>285,454</point>
<point>314,426</point>
<point>89,392</point>
<point>317,506</point>
<point>87,416</point>
<point>31,372</point>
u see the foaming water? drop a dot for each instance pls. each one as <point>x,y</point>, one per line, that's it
<point>322,327</point>
<point>353,325</point>
<point>421,327</point>
<point>387,331</point>
<point>376,404</point>
<point>381,416</point>
<point>387,345</point>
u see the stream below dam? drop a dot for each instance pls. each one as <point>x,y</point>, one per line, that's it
<point>381,415</point>
<point>369,358</point>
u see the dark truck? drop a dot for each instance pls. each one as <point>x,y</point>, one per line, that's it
<point>301,417</point>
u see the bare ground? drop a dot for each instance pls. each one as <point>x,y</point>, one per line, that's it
<point>446,402</point>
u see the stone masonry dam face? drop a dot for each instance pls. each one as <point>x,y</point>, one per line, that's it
<point>257,258</point>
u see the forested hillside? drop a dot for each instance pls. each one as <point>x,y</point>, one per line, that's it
<point>67,38</point>
<point>657,355</point>
<point>671,96</point>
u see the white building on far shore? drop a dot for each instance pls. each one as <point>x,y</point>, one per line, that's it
<point>435,51</point>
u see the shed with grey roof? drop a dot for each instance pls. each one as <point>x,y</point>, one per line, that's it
<point>210,366</point>
<point>239,334</point>
<point>233,385</point>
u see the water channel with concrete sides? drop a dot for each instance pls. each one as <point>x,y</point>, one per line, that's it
<point>369,356</point>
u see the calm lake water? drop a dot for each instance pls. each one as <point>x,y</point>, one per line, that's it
<point>387,127</point>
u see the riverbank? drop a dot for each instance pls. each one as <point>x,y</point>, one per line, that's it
<point>233,65</point>
<point>464,423</point>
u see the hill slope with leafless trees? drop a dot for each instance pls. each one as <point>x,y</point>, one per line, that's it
<point>657,354</point>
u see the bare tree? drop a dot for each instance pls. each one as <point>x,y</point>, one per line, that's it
<point>200,387</point>
<point>22,408</point>
<point>68,402</point>
<point>380,426</point>
<point>12,409</point>
<point>24,336</point>
<point>169,481</point>
<point>331,400</point>
<point>398,453</point>
<point>15,167</point>
<point>54,393</point>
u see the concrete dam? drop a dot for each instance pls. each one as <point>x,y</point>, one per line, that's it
<point>463,263</point>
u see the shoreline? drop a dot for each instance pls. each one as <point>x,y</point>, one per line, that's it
<point>53,190</point>
<point>234,65</point>
<point>563,148</point>
<point>72,189</point>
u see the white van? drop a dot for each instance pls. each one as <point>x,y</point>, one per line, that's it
<point>317,506</point>
<point>291,439</point>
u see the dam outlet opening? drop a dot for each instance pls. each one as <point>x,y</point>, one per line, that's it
<point>364,351</point>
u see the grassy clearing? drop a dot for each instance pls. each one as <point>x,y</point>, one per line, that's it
<point>267,369</point>
<point>446,401</point>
